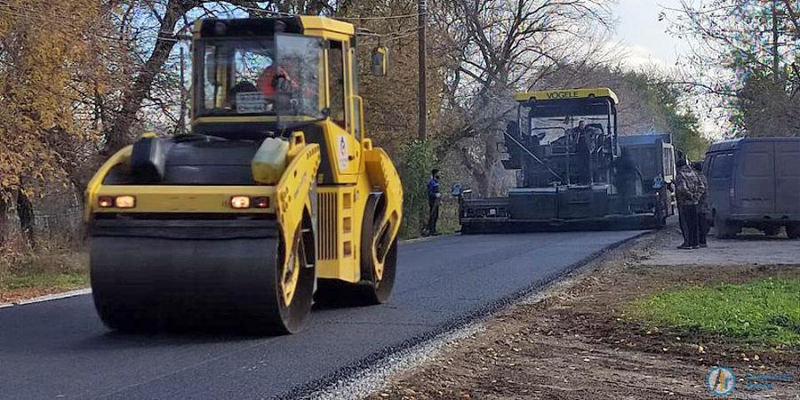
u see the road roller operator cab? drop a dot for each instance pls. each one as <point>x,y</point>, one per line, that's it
<point>275,196</point>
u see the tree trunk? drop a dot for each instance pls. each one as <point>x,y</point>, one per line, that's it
<point>776,56</point>
<point>119,133</point>
<point>3,218</point>
<point>26,216</point>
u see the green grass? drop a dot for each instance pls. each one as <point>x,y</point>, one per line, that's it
<point>63,280</point>
<point>766,311</point>
<point>448,220</point>
<point>49,270</point>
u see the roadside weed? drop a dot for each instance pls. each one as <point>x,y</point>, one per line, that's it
<point>765,311</point>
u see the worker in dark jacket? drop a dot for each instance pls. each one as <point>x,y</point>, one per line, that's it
<point>689,188</point>
<point>577,132</point>
<point>583,149</point>
<point>703,211</point>
<point>626,176</point>
<point>434,196</point>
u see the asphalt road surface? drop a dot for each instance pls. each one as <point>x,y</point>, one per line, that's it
<point>60,349</point>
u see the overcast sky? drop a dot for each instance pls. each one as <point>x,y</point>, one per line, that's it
<point>645,42</point>
<point>644,37</point>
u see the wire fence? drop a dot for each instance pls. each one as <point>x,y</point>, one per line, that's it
<point>68,221</point>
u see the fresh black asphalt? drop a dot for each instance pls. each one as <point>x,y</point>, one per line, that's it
<point>60,350</point>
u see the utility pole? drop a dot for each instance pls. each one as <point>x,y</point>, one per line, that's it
<point>775,37</point>
<point>422,10</point>
<point>182,120</point>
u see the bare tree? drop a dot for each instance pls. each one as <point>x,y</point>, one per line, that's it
<point>744,58</point>
<point>508,45</point>
<point>162,20</point>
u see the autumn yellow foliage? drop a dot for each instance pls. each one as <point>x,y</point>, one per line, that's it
<point>44,47</point>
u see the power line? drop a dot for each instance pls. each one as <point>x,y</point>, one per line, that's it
<point>367,18</point>
<point>27,12</point>
<point>30,13</point>
<point>415,15</point>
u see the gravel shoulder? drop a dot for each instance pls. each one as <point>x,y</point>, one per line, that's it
<point>576,342</point>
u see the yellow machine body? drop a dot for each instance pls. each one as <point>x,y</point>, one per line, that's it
<point>330,183</point>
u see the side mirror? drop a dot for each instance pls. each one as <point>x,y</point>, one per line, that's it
<point>380,61</point>
<point>211,69</point>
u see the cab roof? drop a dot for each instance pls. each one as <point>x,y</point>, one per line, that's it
<point>566,94</point>
<point>213,27</point>
<point>327,24</point>
<point>648,139</point>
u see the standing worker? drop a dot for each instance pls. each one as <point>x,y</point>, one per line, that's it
<point>583,149</point>
<point>626,176</point>
<point>688,191</point>
<point>434,196</point>
<point>703,212</point>
<point>578,132</point>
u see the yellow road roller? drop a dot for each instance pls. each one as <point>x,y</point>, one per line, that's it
<point>274,194</point>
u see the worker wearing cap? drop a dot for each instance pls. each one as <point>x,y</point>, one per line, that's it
<point>689,189</point>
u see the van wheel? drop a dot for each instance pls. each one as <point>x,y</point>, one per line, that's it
<point>723,229</point>
<point>793,231</point>
<point>772,230</point>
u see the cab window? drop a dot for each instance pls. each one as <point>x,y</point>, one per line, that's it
<point>356,102</point>
<point>280,76</point>
<point>336,84</point>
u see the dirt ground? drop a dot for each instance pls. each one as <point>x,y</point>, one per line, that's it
<point>10,296</point>
<point>577,342</point>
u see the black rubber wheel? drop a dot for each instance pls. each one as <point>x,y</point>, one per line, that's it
<point>772,231</point>
<point>793,231</point>
<point>723,229</point>
<point>290,302</point>
<point>378,261</point>
<point>378,256</point>
<point>144,284</point>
